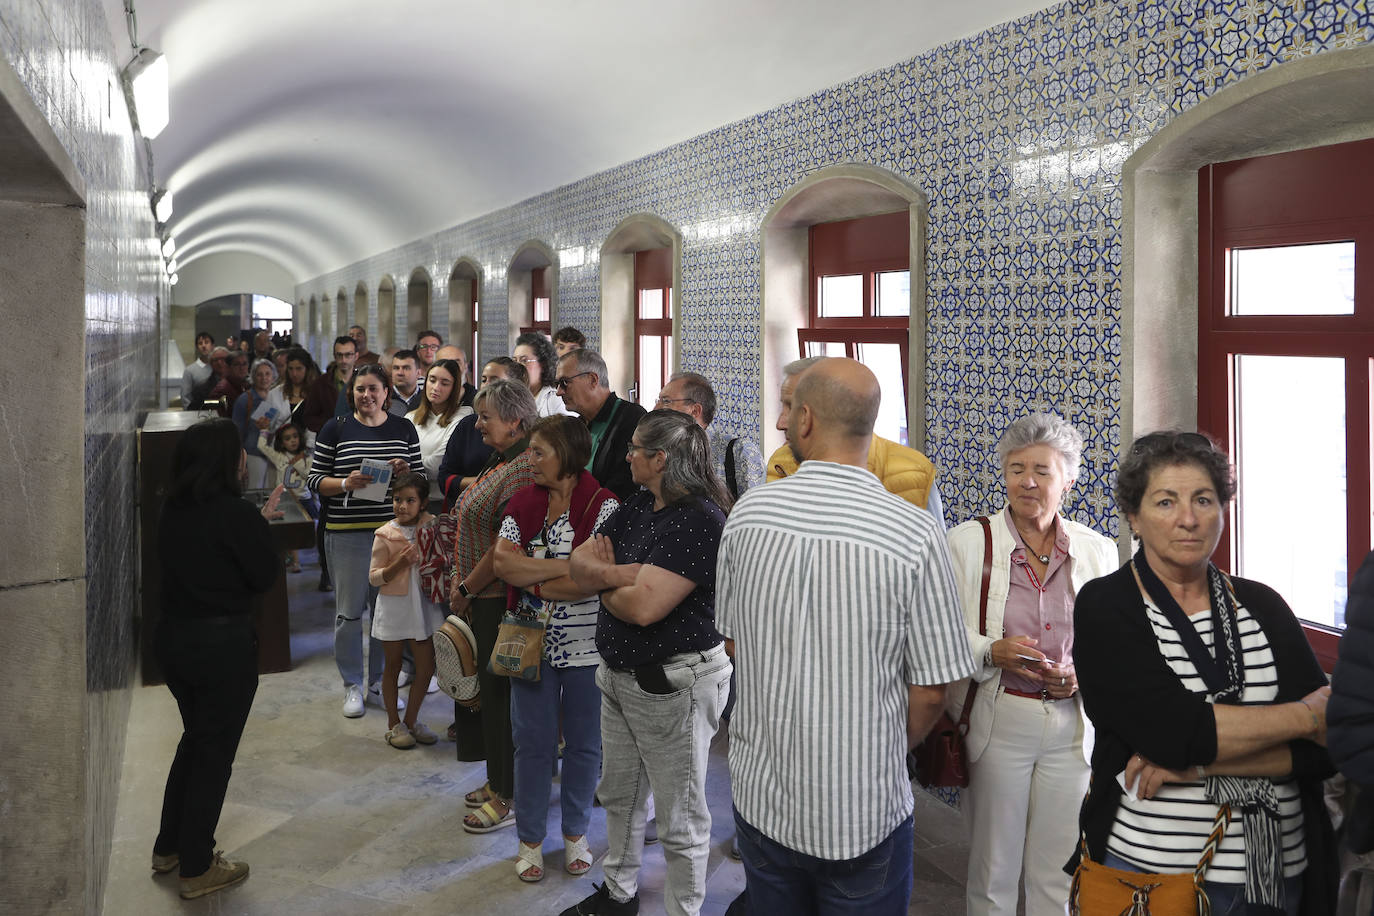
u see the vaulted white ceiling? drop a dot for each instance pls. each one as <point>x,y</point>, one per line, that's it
<point>318,132</point>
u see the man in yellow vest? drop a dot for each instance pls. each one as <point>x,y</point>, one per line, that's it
<point>903,471</point>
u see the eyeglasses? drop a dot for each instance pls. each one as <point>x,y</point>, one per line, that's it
<point>1153,441</point>
<point>527,359</point>
<point>562,383</point>
<point>632,448</point>
<point>664,402</point>
<point>427,346</point>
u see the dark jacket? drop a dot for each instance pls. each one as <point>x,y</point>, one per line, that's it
<point>464,456</point>
<point>608,464</point>
<point>322,402</point>
<point>1350,714</point>
<point>1137,703</point>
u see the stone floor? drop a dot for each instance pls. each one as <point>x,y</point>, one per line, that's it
<point>334,821</point>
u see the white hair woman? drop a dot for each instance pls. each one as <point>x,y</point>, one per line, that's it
<point>1028,739</point>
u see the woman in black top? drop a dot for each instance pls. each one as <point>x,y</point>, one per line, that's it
<point>217,556</point>
<point>664,676</point>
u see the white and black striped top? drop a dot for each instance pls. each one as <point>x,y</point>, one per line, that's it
<point>1167,832</point>
<point>838,596</point>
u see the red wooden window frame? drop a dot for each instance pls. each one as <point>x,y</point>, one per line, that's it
<point>654,271</point>
<point>540,289</point>
<point>1323,194</point>
<point>867,245</point>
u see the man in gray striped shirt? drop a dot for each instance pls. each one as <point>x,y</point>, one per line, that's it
<point>839,603</point>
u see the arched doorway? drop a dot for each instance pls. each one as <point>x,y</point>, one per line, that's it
<point>642,244</point>
<point>531,289</point>
<point>417,304</point>
<point>386,314</point>
<point>464,305</point>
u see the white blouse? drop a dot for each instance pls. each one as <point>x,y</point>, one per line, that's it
<point>434,440</point>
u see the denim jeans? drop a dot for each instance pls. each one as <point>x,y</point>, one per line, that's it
<point>1227,899</point>
<point>535,710</point>
<point>350,555</point>
<point>660,742</point>
<point>780,880</point>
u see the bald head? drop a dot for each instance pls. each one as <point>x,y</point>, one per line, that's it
<point>833,409</point>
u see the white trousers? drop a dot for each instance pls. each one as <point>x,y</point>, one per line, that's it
<point>1022,804</point>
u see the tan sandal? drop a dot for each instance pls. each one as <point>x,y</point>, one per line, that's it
<point>529,864</point>
<point>478,797</point>
<point>488,820</point>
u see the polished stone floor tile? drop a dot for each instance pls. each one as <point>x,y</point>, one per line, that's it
<point>334,821</point>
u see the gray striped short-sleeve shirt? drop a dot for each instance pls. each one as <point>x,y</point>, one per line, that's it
<point>838,596</point>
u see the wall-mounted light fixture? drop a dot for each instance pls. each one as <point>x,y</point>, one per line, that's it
<point>172,266</point>
<point>169,247</point>
<point>146,76</point>
<point>162,204</point>
<point>172,280</point>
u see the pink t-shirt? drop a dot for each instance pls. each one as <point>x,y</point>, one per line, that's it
<point>1040,609</point>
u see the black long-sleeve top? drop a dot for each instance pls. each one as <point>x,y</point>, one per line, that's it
<point>464,456</point>
<point>216,557</point>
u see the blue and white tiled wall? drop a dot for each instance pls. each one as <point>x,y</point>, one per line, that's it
<point>60,50</point>
<point>1017,135</point>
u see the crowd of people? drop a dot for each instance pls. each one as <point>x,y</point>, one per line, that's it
<point>828,615</point>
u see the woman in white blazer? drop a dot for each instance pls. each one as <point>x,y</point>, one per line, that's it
<point>1028,740</point>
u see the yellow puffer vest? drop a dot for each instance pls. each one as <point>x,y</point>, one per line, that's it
<point>904,471</point>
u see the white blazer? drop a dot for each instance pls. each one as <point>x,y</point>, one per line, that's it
<point>1090,556</point>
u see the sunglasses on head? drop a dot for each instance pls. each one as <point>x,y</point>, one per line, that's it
<point>1152,441</point>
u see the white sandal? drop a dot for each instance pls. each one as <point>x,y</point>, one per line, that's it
<point>529,857</point>
<point>577,853</point>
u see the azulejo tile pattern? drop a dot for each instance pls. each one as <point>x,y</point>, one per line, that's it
<point>1017,136</point>
<point>60,50</point>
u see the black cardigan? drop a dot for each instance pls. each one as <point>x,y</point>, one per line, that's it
<point>608,464</point>
<point>1350,715</point>
<point>1137,703</point>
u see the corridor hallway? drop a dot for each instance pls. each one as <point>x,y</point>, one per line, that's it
<point>333,821</point>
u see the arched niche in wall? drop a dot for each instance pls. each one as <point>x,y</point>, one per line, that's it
<point>464,298</point>
<point>313,328</point>
<point>520,287</point>
<point>636,233</point>
<point>837,192</point>
<point>1315,101</point>
<point>417,304</point>
<point>362,309</point>
<point>341,312</point>
<point>386,314</point>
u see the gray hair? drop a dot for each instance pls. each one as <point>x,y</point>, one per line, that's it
<point>1043,429</point>
<point>689,470</point>
<point>511,401</point>
<point>263,362</point>
<point>589,361</point>
<point>697,388</point>
<point>798,366</point>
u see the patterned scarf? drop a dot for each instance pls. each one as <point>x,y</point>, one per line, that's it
<point>1223,671</point>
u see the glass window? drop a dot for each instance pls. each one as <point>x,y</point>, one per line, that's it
<point>1293,280</point>
<point>842,297</point>
<point>894,293</point>
<point>1290,456</point>
<point>885,359</point>
<point>651,369</point>
<point>651,303</point>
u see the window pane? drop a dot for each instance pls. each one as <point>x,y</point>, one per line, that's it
<point>650,369</point>
<point>885,359</point>
<point>651,303</point>
<point>825,348</point>
<point>541,309</point>
<point>842,297</point>
<point>1290,461</point>
<point>894,293</point>
<point>1294,280</point>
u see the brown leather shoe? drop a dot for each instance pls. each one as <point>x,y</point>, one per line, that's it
<point>222,873</point>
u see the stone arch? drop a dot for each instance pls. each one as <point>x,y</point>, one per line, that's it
<point>519,292</point>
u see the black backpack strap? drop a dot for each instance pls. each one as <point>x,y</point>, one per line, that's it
<point>730,482</point>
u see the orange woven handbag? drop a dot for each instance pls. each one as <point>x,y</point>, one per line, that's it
<point>1098,890</point>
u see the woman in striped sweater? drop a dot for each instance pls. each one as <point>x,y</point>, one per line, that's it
<point>386,443</point>
<point>1204,692</point>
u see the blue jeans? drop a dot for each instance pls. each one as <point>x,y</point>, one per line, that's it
<point>780,880</point>
<point>350,555</point>
<point>534,713</point>
<point>1226,899</point>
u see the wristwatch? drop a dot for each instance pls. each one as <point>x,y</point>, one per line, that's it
<point>987,657</point>
<point>463,589</point>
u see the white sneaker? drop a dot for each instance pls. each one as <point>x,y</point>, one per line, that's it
<point>374,693</point>
<point>404,678</point>
<point>353,701</point>
<point>433,685</point>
